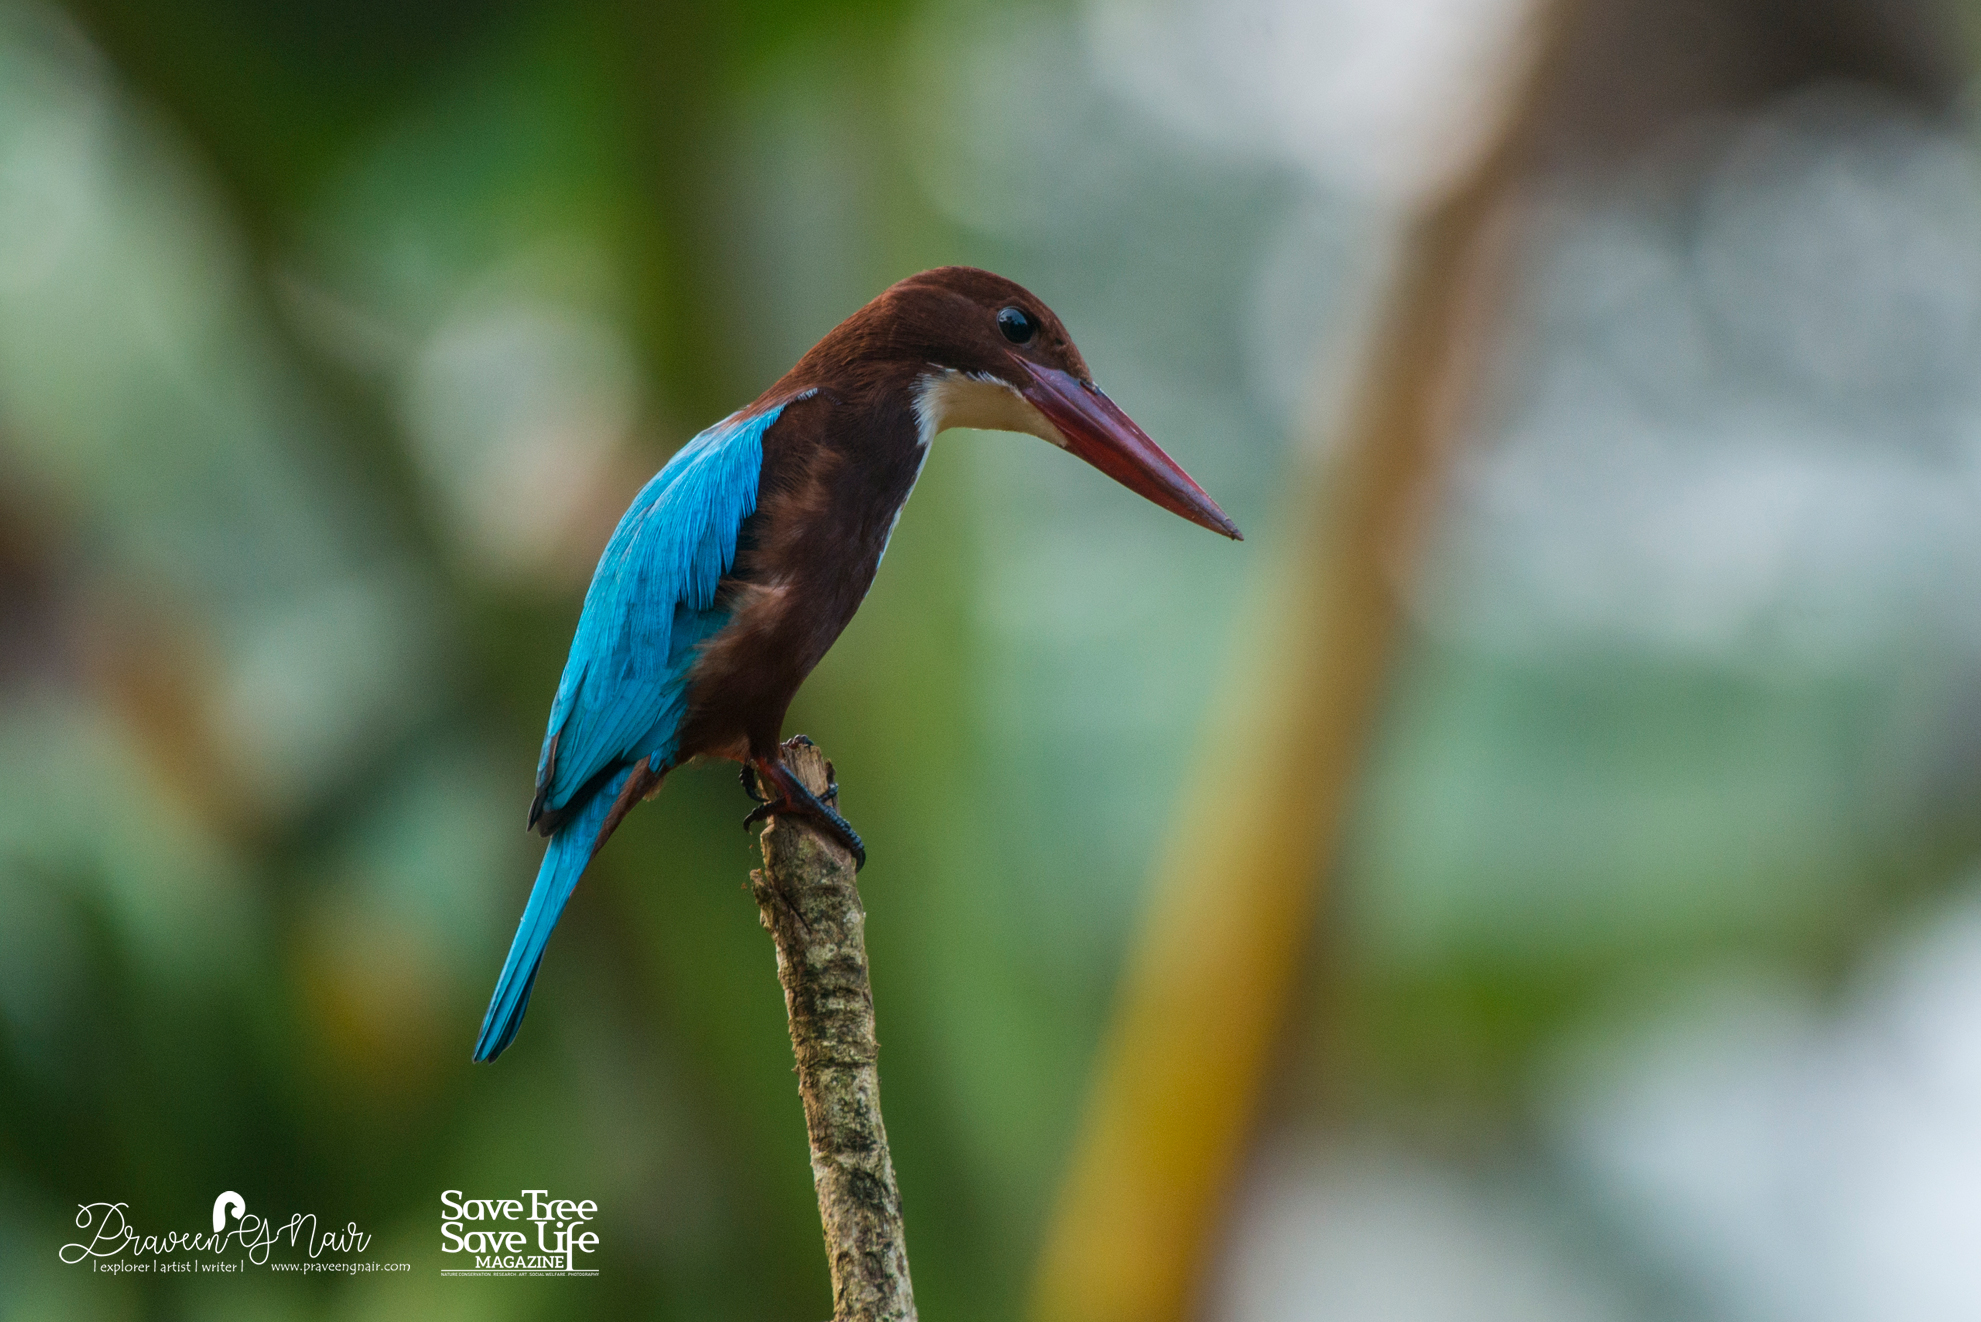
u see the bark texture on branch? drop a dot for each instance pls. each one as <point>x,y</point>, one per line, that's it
<point>808,901</point>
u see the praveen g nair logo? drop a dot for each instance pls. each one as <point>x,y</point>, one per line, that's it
<point>529,1235</point>
<point>239,1240</point>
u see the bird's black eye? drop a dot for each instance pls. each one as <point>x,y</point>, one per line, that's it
<point>1017,325</point>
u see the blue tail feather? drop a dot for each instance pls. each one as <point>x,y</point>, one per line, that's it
<point>564,862</point>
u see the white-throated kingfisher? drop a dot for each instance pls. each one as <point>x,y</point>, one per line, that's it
<point>740,562</point>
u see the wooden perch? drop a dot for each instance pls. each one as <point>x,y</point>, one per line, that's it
<point>809,903</point>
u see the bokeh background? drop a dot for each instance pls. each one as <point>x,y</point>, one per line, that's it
<point>1638,942</point>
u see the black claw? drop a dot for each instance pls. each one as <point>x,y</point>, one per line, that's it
<point>840,827</point>
<point>799,801</point>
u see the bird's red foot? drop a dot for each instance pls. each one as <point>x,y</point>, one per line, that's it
<point>791,798</point>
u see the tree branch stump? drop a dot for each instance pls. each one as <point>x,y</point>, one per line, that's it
<point>807,900</point>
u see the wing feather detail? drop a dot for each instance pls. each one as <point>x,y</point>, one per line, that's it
<point>651,603</point>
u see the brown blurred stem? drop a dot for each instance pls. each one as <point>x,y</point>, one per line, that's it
<point>1207,989</point>
<point>811,907</point>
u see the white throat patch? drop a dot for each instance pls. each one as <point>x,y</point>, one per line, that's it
<point>946,398</point>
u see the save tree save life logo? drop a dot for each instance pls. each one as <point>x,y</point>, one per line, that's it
<point>238,1238</point>
<point>530,1235</point>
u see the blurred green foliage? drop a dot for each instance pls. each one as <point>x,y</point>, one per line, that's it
<point>284,648</point>
<point>333,338</point>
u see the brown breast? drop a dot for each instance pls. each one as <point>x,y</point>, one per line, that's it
<point>836,473</point>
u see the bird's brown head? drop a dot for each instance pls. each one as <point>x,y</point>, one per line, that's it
<point>978,350</point>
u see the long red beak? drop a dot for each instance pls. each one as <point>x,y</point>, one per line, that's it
<point>1098,431</point>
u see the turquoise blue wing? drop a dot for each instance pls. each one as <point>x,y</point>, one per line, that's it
<point>651,601</point>
<point>624,690</point>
